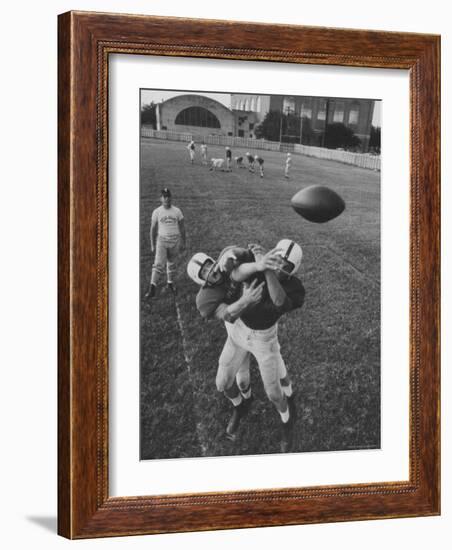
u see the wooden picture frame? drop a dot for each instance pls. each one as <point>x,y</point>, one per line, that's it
<point>85,42</point>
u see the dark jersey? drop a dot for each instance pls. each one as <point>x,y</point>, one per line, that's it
<point>250,158</point>
<point>228,153</point>
<point>260,160</point>
<point>210,297</point>
<point>265,314</point>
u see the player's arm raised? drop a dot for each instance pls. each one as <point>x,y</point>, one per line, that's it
<point>252,294</point>
<point>263,261</point>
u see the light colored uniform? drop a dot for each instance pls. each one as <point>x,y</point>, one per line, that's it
<point>204,153</point>
<point>210,297</point>
<point>235,357</point>
<point>191,150</point>
<point>217,163</point>
<point>256,333</point>
<point>168,242</point>
<point>288,164</point>
<point>260,161</point>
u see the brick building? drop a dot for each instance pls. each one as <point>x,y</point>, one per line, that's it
<point>356,114</point>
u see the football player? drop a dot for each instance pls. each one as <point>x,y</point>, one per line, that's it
<point>222,298</point>
<point>288,164</point>
<point>253,330</point>
<point>239,162</point>
<point>216,164</point>
<point>191,151</point>
<point>204,153</point>
<point>250,159</point>
<point>260,161</point>
<point>228,159</point>
<point>256,331</point>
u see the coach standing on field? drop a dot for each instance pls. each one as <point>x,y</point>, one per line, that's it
<point>167,240</point>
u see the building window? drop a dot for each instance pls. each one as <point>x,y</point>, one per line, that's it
<point>320,121</point>
<point>339,112</point>
<point>289,104</point>
<point>353,115</point>
<point>197,116</point>
<point>305,111</point>
<point>251,125</point>
<point>321,113</point>
<point>241,133</point>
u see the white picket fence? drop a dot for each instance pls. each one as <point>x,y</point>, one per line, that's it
<point>246,143</point>
<point>371,162</point>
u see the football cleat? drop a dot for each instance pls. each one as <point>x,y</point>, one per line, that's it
<point>171,287</point>
<point>292,407</point>
<point>287,436</point>
<point>288,427</point>
<point>237,414</point>
<point>247,403</point>
<point>151,292</point>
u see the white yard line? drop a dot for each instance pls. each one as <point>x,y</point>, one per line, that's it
<point>198,424</point>
<point>184,340</point>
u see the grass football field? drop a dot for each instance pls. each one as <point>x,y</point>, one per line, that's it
<point>331,345</point>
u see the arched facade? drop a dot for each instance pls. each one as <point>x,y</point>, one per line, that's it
<point>195,114</point>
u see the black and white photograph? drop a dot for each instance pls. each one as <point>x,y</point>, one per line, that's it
<point>225,232</point>
<point>259,274</point>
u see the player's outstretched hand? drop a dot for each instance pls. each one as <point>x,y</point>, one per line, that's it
<point>252,292</point>
<point>227,261</point>
<point>270,260</point>
<point>256,249</point>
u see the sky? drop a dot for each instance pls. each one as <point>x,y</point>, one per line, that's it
<point>158,95</point>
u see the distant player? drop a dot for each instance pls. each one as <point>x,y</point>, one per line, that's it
<point>260,162</point>
<point>239,162</point>
<point>288,164</point>
<point>204,153</point>
<point>250,159</point>
<point>216,164</point>
<point>228,159</point>
<point>167,240</point>
<point>191,151</point>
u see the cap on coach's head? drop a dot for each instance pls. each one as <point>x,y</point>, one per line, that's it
<point>165,192</point>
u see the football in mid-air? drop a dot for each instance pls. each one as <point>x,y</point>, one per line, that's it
<point>318,204</point>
